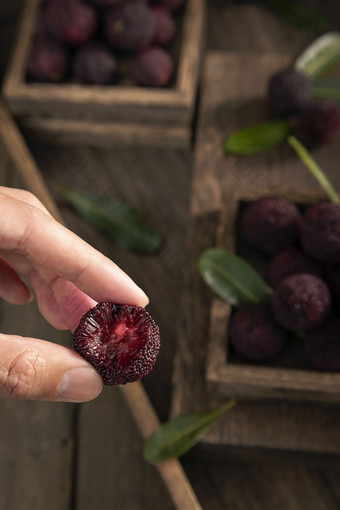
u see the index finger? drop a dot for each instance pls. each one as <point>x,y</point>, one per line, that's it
<point>29,231</point>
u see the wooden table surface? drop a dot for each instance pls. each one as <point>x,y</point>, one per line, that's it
<point>86,457</point>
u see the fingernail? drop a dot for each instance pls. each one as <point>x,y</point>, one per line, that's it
<point>80,384</point>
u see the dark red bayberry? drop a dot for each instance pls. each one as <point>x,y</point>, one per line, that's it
<point>320,232</point>
<point>48,61</point>
<point>94,63</point>
<point>322,346</point>
<point>70,21</point>
<point>120,341</point>
<point>289,91</point>
<point>107,3</point>
<point>318,123</point>
<point>165,25</point>
<point>152,67</point>
<point>131,26</point>
<point>301,302</point>
<point>290,261</point>
<point>271,224</point>
<point>254,334</point>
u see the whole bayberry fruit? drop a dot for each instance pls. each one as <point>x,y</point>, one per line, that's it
<point>320,232</point>
<point>322,346</point>
<point>120,341</point>
<point>47,62</point>
<point>152,67</point>
<point>70,21</point>
<point>289,91</point>
<point>94,63</point>
<point>318,123</point>
<point>131,26</point>
<point>301,302</point>
<point>271,224</point>
<point>254,334</point>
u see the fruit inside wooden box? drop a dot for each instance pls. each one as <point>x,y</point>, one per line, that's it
<point>290,372</point>
<point>127,103</point>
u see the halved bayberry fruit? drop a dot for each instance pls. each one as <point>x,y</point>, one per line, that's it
<point>120,341</point>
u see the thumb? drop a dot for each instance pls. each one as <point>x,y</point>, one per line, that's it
<point>33,369</point>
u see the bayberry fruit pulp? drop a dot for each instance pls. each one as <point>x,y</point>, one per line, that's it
<point>121,341</point>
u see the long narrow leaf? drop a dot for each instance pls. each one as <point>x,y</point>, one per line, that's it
<point>116,218</point>
<point>232,278</point>
<point>320,56</point>
<point>258,138</point>
<point>176,437</point>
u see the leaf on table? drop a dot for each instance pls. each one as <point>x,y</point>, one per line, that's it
<point>320,56</point>
<point>176,437</point>
<point>258,138</point>
<point>328,88</point>
<point>232,278</point>
<point>118,219</point>
<point>299,15</point>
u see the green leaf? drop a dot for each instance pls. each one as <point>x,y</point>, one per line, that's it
<point>299,15</point>
<point>328,88</point>
<point>176,437</point>
<point>320,56</point>
<point>258,138</point>
<point>115,218</point>
<point>314,168</point>
<point>232,278</point>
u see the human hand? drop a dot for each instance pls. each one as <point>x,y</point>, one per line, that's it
<point>68,277</point>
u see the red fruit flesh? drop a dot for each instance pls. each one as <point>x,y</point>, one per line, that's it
<point>120,341</point>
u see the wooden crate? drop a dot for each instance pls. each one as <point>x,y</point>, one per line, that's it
<point>233,87</point>
<point>101,115</point>
<point>288,376</point>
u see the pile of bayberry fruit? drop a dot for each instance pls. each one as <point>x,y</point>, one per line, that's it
<point>105,41</point>
<point>303,271</point>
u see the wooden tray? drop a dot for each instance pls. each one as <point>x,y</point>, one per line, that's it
<point>96,115</point>
<point>175,481</point>
<point>233,90</point>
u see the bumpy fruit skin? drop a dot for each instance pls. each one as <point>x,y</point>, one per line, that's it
<point>289,91</point>
<point>48,62</point>
<point>165,25</point>
<point>290,261</point>
<point>301,302</point>
<point>131,26</point>
<point>320,232</point>
<point>152,67</point>
<point>271,224</point>
<point>319,123</point>
<point>94,63</point>
<point>120,341</point>
<point>70,21</point>
<point>254,334</point>
<point>322,346</point>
